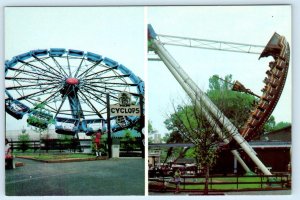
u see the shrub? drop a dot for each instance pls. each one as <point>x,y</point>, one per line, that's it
<point>24,139</point>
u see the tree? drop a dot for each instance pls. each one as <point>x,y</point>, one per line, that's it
<point>151,132</point>
<point>150,140</point>
<point>191,124</point>
<point>150,127</point>
<point>165,138</point>
<point>270,124</point>
<point>215,83</point>
<point>24,139</point>
<point>236,106</point>
<point>281,125</point>
<point>129,140</point>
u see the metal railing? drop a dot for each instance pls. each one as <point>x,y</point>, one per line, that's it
<point>49,144</point>
<point>224,183</point>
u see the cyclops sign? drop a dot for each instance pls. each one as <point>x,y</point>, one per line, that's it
<point>124,108</point>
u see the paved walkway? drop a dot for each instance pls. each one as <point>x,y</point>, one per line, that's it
<point>124,176</point>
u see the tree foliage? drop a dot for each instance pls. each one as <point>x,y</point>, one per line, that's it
<point>281,125</point>
<point>215,83</point>
<point>24,138</point>
<point>270,124</point>
<point>129,140</point>
<point>190,124</point>
<point>150,127</point>
<point>235,105</point>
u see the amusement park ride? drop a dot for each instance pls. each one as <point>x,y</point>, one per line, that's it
<point>277,47</point>
<point>72,86</point>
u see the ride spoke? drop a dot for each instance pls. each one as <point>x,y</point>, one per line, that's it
<point>40,69</point>
<point>96,96</point>
<point>76,73</point>
<point>58,65</point>
<point>88,70</point>
<point>54,94</point>
<point>70,73</point>
<point>100,72</point>
<point>93,89</point>
<point>48,66</point>
<point>115,90</point>
<point>62,102</point>
<point>30,73</point>
<point>34,104</point>
<point>108,77</point>
<point>112,84</point>
<point>91,105</point>
<point>29,95</point>
<point>27,78</point>
<point>26,86</point>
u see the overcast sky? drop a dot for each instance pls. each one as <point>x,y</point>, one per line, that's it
<point>250,25</point>
<point>118,33</point>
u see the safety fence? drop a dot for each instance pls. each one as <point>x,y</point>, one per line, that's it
<point>222,183</point>
<point>51,144</point>
<point>72,145</point>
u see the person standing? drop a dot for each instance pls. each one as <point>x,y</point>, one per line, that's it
<point>8,156</point>
<point>177,180</point>
<point>97,143</point>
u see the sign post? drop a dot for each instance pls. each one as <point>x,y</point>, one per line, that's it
<point>109,140</point>
<point>125,108</point>
<point>142,122</point>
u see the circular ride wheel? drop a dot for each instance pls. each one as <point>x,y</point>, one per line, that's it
<point>72,86</point>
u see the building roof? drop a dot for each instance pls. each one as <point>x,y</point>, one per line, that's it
<point>283,135</point>
<point>270,144</point>
<point>171,145</point>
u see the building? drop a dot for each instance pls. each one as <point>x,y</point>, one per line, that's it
<point>273,149</point>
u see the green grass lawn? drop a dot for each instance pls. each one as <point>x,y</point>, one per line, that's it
<point>48,156</point>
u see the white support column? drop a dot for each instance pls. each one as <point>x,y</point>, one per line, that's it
<point>218,130</point>
<point>238,158</point>
<point>234,165</point>
<point>185,81</point>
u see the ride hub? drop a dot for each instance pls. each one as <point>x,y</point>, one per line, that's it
<point>72,81</point>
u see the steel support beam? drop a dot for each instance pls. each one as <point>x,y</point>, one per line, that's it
<point>189,86</point>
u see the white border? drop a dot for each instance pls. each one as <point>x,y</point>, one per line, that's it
<point>296,81</point>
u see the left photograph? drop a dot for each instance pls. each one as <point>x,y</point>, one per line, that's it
<point>74,101</point>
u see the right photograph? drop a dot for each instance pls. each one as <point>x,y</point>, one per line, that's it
<point>220,100</point>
